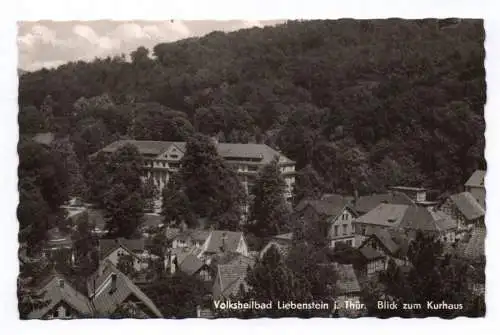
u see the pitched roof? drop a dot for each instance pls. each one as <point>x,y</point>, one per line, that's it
<point>443,221</point>
<point>261,152</point>
<point>476,179</point>
<point>145,147</point>
<point>467,205</point>
<point>330,206</point>
<point>395,243</point>
<point>107,246</point>
<point>412,217</point>
<point>223,239</point>
<point>190,264</point>
<point>369,253</point>
<point>390,215</point>
<point>54,293</point>
<point>474,249</point>
<point>366,203</point>
<point>347,281</point>
<point>231,276</point>
<point>106,301</point>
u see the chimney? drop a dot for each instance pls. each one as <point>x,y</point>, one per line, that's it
<point>113,283</point>
<point>61,283</point>
<point>356,196</point>
<point>198,311</point>
<point>224,241</point>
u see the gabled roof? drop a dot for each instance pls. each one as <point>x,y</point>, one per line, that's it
<point>231,276</point>
<point>389,215</point>
<point>369,253</point>
<point>476,179</point>
<point>330,206</point>
<point>407,217</point>
<point>366,203</point>
<point>105,301</point>
<point>467,205</point>
<point>107,246</point>
<point>145,147</point>
<point>190,264</point>
<point>223,240</point>
<point>396,244</point>
<point>261,152</point>
<point>54,293</point>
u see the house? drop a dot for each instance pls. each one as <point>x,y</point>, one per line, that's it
<point>390,244</point>
<point>62,300</point>
<point>464,209</point>
<point>375,261</point>
<point>417,194</point>
<point>221,241</point>
<point>475,186</point>
<point>187,260</point>
<point>335,212</point>
<point>408,219</point>
<point>282,243</point>
<point>366,203</point>
<point>231,277</point>
<point>187,238</point>
<point>161,159</point>
<point>113,249</point>
<point>109,289</point>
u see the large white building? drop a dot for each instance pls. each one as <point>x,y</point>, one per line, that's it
<point>161,159</point>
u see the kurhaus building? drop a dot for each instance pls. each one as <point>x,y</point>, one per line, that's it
<point>161,159</point>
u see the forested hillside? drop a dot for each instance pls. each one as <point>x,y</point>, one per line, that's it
<point>358,104</point>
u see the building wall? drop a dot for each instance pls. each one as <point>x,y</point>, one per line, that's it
<point>160,169</point>
<point>375,266</point>
<point>61,311</point>
<point>342,229</point>
<point>115,255</point>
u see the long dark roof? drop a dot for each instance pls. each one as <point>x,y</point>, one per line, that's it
<point>261,153</point>
<point>366,203</point>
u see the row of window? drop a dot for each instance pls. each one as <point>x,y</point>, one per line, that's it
<point>336,230</point>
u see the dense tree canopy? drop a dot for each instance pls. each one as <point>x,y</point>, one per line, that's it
<point>212,187</point>
<point>372,95</point>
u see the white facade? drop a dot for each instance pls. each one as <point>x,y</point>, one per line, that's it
<point>114,257</point>
<point>342,229</point>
